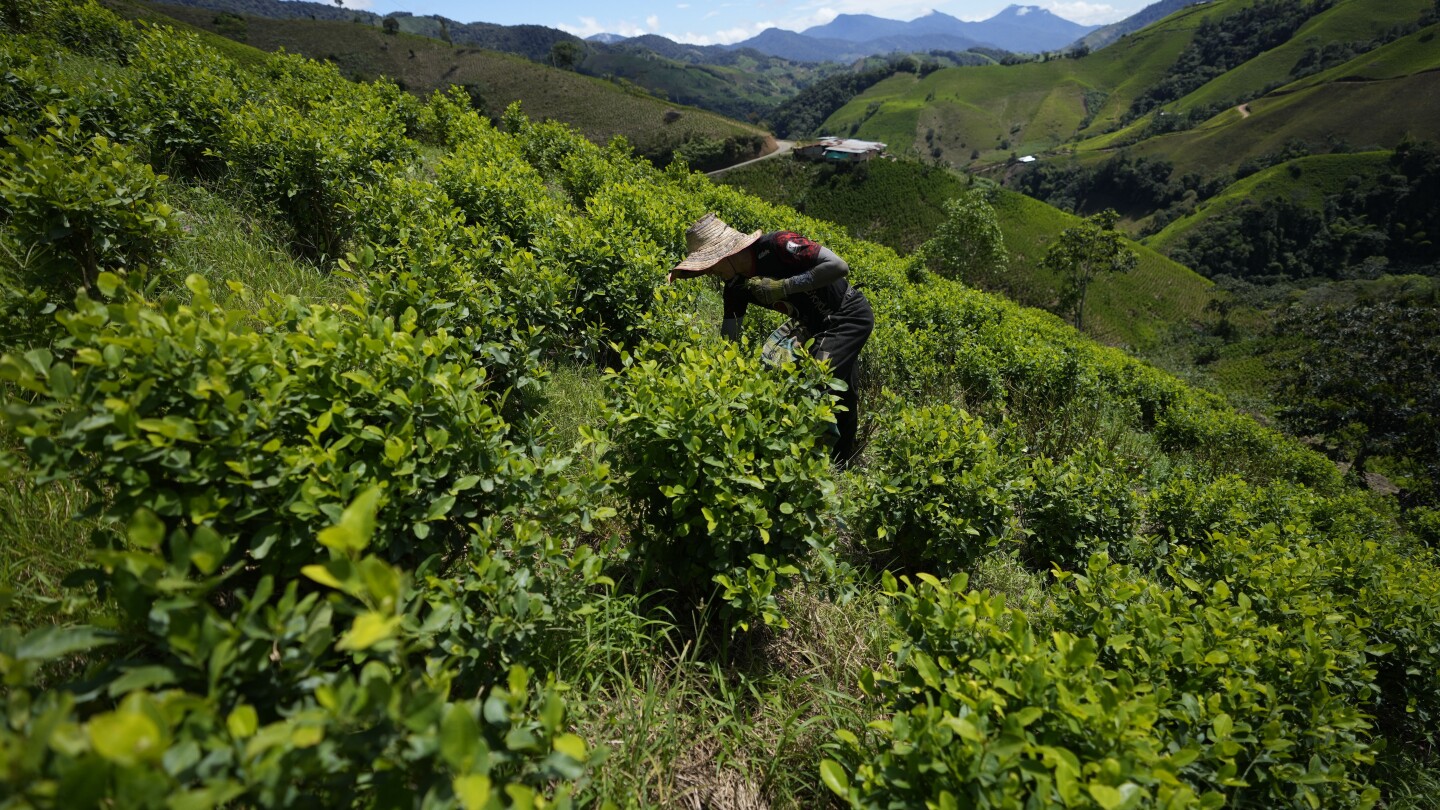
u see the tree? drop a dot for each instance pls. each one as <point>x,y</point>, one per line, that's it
<point>1366,378</point>
<point>566,54</point>
<point>968,245</point>
<point>391,25</point>
<point>1083,252</point>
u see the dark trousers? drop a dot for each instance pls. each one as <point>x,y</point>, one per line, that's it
<point>840,342</point>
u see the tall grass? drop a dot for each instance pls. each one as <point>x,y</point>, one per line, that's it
<point>684,724</point>
<point>224,242</point>
<point>42,541</point>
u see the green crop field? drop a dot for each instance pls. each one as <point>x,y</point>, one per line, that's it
<point>1347,21</point>
<point>357,452</point>
<point>981,117</point>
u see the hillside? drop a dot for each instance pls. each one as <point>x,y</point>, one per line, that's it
<point>744,87</point>
<point>900,203</point>
<point>1152,13</point>
<point>1085,105</point>
<point>738,83</point>
<point>359,452</point>
<point>1304,181</point>
<point>599,109</point>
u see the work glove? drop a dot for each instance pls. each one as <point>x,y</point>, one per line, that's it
<point>765,291</point>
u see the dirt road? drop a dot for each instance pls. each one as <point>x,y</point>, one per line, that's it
<point>781,148</point>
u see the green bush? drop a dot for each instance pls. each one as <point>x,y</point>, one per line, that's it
<point>86,27</point>
<point>723,459</point>
<point>1170,699</point>
<point>655,210</point>
<point>936,490</point>
<point>36,94</point>
<point>86,205</point>
<point>1387,592</point>
<point>418,257</point>
<point>305,161</point>
<point>1079,505</point>
<point>272,695</point>
<point>498,191</point>
<point>188,94</point>
<point>191,412</point>
<point>545,145</point>
<point>1186,510</point>
<point>1226,442</point>
<point>615,271</point>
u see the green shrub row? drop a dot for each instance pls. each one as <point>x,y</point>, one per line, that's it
<point>196,415</point>
<point>346,688</point>
<point>83,204</point>
<point>723,461</point>
<point>1167,696</point>
<point>1246,645</point>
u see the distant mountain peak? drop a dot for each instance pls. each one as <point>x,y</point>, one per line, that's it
<point>606,39</point>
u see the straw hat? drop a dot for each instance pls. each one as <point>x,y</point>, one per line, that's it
<point>710,241</point>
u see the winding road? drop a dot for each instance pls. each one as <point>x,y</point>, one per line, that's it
<point>781,148</point>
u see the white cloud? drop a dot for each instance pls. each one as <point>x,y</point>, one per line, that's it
<point>1087,13</point>
<point>589,27</point>
<point>359,5</point>
<point>653,21</point>
<point>740,33</point>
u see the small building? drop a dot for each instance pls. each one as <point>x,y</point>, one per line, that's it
<point>1027,159</point>
<point>840,150</point>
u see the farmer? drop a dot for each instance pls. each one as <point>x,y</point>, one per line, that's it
<point>797,277</point>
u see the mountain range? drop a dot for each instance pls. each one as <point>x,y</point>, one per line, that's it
<point>1028,29</point>
<point>1025,29</point>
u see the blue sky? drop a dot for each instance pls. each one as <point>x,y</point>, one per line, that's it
<point>726,21</point>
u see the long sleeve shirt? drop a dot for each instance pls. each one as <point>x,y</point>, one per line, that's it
<point>815,281</point>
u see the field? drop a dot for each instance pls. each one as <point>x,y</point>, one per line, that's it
<point>983,117</point>
<point>357,453</point>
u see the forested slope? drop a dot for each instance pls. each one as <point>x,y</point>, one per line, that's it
<point>336,544</point>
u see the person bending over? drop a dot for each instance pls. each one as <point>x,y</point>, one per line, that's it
<point>795,276</point>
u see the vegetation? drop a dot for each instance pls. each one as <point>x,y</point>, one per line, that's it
<point>802,115</point>
<point>456,504</point>
<point>1365,377</point>
<point>1375,221</point>
<point>655,127</point>
<point>969,245</point>
<point>1136,187</point>
<point>1220,45</point>
<point>1081,254</point>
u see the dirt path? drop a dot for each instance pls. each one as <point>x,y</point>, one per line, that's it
<point>781,148</point>
<point>1244,110</point>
